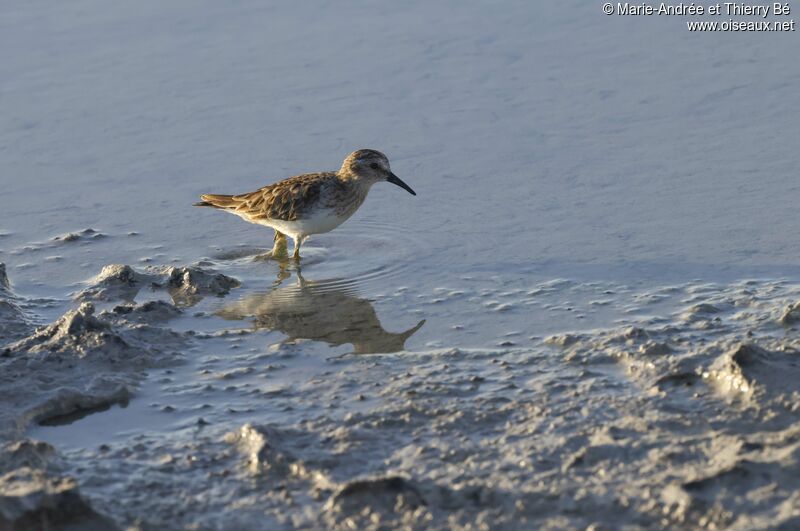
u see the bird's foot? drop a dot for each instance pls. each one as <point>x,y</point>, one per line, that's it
<point>263,257</point>
<point>278,252</point>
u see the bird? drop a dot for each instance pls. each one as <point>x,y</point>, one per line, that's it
<point>310,203</point>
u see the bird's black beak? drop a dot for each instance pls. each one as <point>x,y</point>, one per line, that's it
<point>394,179</point>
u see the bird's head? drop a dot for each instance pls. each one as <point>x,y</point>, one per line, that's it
<point>371,166</point>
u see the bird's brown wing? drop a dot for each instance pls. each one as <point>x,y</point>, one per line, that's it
<point>285,200</point>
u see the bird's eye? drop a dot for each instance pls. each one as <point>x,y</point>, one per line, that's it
<point>374,166</point>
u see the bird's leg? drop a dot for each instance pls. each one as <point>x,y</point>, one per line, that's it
<point>298,241</point>
<point>279,248</point>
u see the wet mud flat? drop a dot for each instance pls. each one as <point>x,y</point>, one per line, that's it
<point>215,405</point>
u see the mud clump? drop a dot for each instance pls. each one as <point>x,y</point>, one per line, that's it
<point>4,285</point>
<point>25,453</point>
<point>654,348</point>
<point>81,335</point>
<point>379,494</point>
<point>68,405</point>
<point>791,315</point>
<point>82,236</point>
<point>757,374</point>
<point>114,282</point>
<point>78,334</point>
<point>31,500</point>
<point>729,372</point>
<point>13,323</point>
<point>564,340</point>
<point>187,285</point>
<point>263,449</point>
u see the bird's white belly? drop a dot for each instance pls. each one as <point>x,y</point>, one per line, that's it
<point>324,220</point>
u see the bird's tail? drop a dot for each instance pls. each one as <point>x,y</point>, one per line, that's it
<point>217,201</point>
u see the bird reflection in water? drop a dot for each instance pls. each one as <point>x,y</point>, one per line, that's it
<point>324,311</point>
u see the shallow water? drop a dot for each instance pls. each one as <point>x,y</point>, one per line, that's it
<point>471,339</point>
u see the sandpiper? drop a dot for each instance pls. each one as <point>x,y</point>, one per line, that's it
<point>311,203</point>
